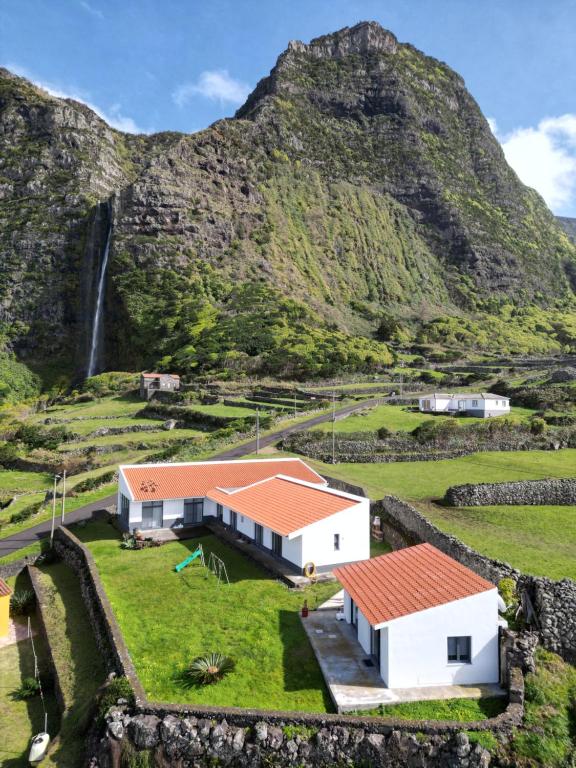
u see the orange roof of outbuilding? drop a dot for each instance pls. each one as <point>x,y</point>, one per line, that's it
<point>4,589</point>
<point>283,504</point>
<point>159,375</point>
<point>185,481</point>
<point>408,581</point>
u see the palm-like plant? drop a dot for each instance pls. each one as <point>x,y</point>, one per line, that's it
<point>210,668</point>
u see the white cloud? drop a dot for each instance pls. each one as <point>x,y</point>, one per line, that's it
<point>216,85</point>
<point>544,157</point>
<point>113,116</point>
<point>91,9</point>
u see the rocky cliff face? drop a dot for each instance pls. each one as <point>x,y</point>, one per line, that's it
<point>359,180</point>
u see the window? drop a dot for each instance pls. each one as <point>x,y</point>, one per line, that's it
<point>193,510</point>
<point>459,650</point>
<point>152,514</point>
<point>258,534</point>
<point>336,542</point>
<point>475,403</point>
<point>219,512</point>
<point>426,405</point>
<point>124,507</point>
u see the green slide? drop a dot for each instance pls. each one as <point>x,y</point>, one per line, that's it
<point>188,560</point>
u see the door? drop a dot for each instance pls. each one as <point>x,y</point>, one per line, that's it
<point>461,405</point>
<point>375,644</point>
<point>258,534</point>
<point>219,512</point>
<point>277,544</point>
<point>354,615</point>
<point>193,511</point>
<point>152,515</point>
<point>233,520</point>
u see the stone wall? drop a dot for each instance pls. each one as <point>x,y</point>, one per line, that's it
<point>8,570</point>
<point>108,636</point>
<point>539,492</point>
<point>342,485</point>
<point>553,602</point>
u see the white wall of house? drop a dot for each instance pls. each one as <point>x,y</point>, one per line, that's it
<point>487,406</point>
<point>434,404</point>
<point>353,527</point>
<point>418,644</point>
<point>414,648</point>
<point>363,632</point>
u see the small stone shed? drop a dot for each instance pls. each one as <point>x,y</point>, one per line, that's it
<point>158,382</point>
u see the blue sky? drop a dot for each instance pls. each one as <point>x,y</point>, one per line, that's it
<point>153,65</point>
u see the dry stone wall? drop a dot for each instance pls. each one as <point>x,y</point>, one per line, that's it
<point>538,492</point>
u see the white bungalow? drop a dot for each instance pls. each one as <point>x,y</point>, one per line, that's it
<point>281,505</point>
<point>425,619</point>
<point>482,404</point>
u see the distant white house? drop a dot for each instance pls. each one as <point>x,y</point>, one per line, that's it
<point>424,618</point>
<point>281,505</point>
<point>483,404</point>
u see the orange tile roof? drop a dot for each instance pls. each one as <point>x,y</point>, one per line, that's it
<point>407,581</point>
<point>4,589</point>
<point>159,375</point>
<point>283,504</point>
<point>185,481</point>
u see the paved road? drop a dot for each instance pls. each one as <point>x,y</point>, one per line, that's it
<point>42,530</point>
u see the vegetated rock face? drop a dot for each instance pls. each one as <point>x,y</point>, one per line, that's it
<point>562,375</point>
<point>359,177</point>
<point>569,226</point>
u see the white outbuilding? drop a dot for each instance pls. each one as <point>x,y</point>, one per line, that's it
<point>280,505</point>
<point>424,618</point>
<point>481,404</point>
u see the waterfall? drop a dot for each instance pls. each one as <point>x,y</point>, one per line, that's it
<point>97,323</point>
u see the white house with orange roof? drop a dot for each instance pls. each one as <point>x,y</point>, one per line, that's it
<point>281,505</point>
<point>423,618</point>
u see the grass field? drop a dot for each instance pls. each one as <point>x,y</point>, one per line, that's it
<point>168,619</point>
<point>538,540</point>
<point>128,438</point>
<point>120,405</point>
<point>401,418</point>
<point>460,710</point>
<point>430,479</point>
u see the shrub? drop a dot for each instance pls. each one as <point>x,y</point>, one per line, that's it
<point>91,483</point>
<point>209,669</point>
<point>22,602</point>
<point>29,688</point>
<point>8,455</point>
<point>538,426</point>
<point>118,689</point>
<point>25,513</point>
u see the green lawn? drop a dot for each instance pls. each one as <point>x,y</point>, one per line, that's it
<point>21,720</point>
<point>120,405</point>
<point>401,418</point>
<point>15,481</point>
<point>159,436</point>
<point>537,540</point>
<point>460,710</point>
<point>430,479</point>
<point>167,619</point>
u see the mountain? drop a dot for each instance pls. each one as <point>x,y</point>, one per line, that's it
<point>359,187</point>
<point>569,226</point>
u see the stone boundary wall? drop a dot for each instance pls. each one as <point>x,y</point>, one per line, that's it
<point>342,485</point>
<point>538,492</point>
<point>40,608</point>
<point>8,570</point>
<point>109,639</point>
<point>554,602</point>
<point>233,735</point>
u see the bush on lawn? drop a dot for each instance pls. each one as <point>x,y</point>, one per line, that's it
<point>28,690</point>
<point>22,602</point>
<point>209,669</point>
<point>91,483</point>
<point>24,514</point>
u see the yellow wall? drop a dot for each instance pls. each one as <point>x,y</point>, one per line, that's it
<point>4,613</point>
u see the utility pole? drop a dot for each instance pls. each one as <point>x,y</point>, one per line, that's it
<point>63,497</point>
<point>401,377</point>
<point>257,430</point>
<point>333,426</point>
<point>56,478</point>
<point>294,402</point>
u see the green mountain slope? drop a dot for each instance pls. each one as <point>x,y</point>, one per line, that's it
<point>360,181</point>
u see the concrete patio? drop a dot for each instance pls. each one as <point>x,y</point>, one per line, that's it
<point>355,686</point>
